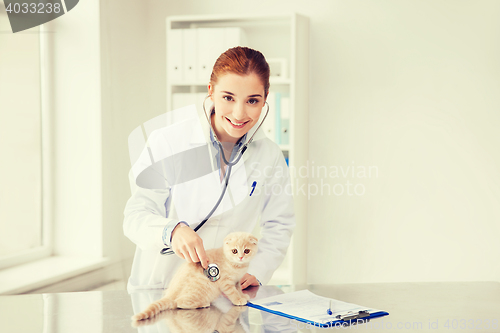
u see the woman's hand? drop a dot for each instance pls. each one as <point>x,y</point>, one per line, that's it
<point>188,245</point>
<point>251,291</point>
<point>248,280</point>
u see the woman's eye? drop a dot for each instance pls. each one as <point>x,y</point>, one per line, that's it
<point>235,251</point>
<point>228,98</point>
<point>253,101</point>
<point>247,251</point>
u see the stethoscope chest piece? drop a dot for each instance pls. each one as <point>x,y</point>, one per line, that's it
<point>212,272</point>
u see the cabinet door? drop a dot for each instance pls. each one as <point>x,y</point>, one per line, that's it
<point>210,46</point>
<point>190,54</point>
<point>174,56</point>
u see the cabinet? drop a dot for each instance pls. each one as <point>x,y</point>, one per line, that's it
<point>284,41</point>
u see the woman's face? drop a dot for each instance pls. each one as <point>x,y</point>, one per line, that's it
<point>238,102</point>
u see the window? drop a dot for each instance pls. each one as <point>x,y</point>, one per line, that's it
<point>21,227</point>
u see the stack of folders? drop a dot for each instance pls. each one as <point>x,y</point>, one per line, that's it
<point>276,125</point>
<point>191,53</point>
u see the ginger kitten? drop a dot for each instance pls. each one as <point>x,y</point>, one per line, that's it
<point>191,289</point>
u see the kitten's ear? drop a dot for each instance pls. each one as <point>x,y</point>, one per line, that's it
<point>252,239</point>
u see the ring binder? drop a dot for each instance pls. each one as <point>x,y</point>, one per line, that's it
<point>353,315</point>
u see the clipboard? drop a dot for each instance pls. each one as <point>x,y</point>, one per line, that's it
<point>309,308</point>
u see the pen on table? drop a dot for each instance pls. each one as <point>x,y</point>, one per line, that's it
<point>329,311</point>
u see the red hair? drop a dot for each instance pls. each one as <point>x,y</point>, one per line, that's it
<point>242,61</point>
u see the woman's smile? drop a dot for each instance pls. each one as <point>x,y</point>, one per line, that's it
<point>237,124</point>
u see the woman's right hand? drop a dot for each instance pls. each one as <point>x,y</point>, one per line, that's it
<point>188,245</point>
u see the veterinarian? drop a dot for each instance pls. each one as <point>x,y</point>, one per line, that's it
<point>182,173</point>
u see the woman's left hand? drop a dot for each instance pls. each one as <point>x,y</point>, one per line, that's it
<point>248,280</point>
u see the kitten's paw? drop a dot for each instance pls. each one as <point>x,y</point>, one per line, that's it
<point>140,316</point>
<point>238,309</point>
<point>246,296</point>
<point>240,301</point>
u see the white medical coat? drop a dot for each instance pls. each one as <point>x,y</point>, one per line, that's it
<point>149,211</point>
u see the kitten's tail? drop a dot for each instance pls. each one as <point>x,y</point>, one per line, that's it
<point>154,308</point>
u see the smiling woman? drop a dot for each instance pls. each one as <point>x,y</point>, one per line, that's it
<point>239,86</point>
<point>238,89</point>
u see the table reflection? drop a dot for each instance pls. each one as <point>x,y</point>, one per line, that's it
<point>208,320</point>
<point>409,304</point>
<point>110,311</point>
<point>221,316</point>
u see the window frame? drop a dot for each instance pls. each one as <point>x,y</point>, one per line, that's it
<point>46,248</point>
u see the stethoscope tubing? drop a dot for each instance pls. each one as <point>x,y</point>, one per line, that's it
<point>169,251</point>
<point>241,151</point>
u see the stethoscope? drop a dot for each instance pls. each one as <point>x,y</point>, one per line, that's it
<point>240,151</point>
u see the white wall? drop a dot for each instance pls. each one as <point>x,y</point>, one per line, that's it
<point>412,90</point>
<point>74,110</point>
<point>100,78</point>
<point>413,86</point>
<point>407,87</point>
<point>126,81</point>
